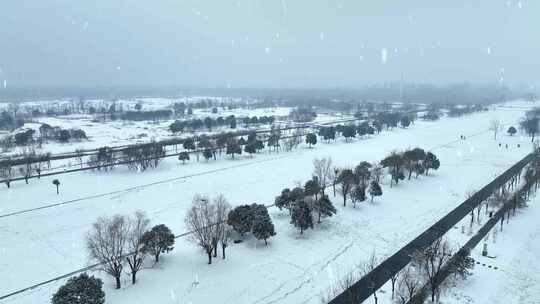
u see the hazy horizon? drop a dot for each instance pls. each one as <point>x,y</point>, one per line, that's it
<point>262,43</point>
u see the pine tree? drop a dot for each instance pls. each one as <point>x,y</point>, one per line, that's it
<point>207,153</point>
<point>301,216</point>
<point>284,199</point>
<point>80,290</point>
<point>358,194</point>
<point>183,156</point>
<point>312,188</point>
<point>375,190</point>
<point>241,219</point>
<point>158,240</point>
<point>324,207</point>
<point>311,139</point>
<point>234,148</point>
<point>250,148</point>
<point>431,162</point>
<point>263,228</point>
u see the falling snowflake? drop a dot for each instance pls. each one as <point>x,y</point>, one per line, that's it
<point>267,50</point>
<point>5,84</point>
<point>488,50</point>
<point>384,55</point>
<point>321,36</point>
<point>519,4</point>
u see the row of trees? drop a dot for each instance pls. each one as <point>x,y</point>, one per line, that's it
<point>46,132</point>
<point>117,241</point>
<point>179,126</point>
<point>415,161</point>
<point>424,270</point>
<point>212,223</point>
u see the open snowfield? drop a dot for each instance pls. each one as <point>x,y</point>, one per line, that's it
<point>292,268</point>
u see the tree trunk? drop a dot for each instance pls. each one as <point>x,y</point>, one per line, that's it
<point>157,257</point>
<point>209,252</point>
<point>57,192</point>
<point>133,277</point>
<point>223,251</point>
<point>265,242</point>
<point>118,284</point>
<point>344,199</point>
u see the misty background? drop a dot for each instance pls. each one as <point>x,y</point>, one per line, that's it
<point>267,43</point>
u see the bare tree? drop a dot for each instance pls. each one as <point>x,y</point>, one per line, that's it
<point>138,225</point>
<point>431,261</point>
<point>408,285</point>
<point>5,173</point>
<point>377,172</point>
<point>322,169</point>
<point>225,238</point>
<point>368,267</point>
<point>222,209</point>
<point>344,285</point>
<point>200,220</point>
<point>106,244</point>
<point>495,125</point>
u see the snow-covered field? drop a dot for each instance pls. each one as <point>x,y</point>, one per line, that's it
<point>120,132</point>
<point>292,268</point>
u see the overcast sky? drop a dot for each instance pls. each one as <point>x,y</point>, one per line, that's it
<point>267,43</point>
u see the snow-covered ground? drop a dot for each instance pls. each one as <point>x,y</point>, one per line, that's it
<point>120,132</point>
<point>292,268</point>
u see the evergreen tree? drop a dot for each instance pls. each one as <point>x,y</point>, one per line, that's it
<point>263,228</point>
<point>233,148</point>
<point>349,132</point>
<point>183,156</point>
<point>80,290</point>
<point>363,173</point>
<point>358,194</point>
<point>405,121</point>
<point>250,148</point>
<point>157,240</point>
<point>284,199</point>
<point>301,216</point>
<point>57,184</point>
<point>207,153</point>
<point>312,188</point>
<point>375,189</point>
<point>511,131</point>
<point>189,144</point>
<point>346,180</point>
<point>241,219</point>
<point>431,162</point>
<point>394,162</point>
<point>324,207</point>
<point>311,139</point>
